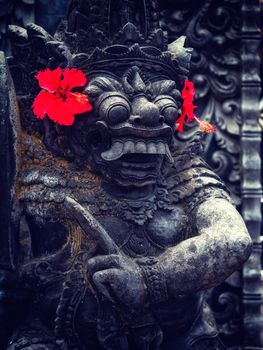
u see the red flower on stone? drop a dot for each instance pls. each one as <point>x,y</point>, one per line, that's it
<point>188,109</point>
<point>57,100</point>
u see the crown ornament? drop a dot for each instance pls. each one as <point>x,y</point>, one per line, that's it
<point>102,38</point>
<point>98,37</point>
<point>106,35</point>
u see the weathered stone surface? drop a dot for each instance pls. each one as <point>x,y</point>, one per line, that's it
<point>126,227</point>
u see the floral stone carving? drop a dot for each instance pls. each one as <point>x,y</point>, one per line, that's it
<point>122,227</point>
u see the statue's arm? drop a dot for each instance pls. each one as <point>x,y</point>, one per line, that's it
<point>204,261</point>
<point>220,247</point>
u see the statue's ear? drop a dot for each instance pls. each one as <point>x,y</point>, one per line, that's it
<point>180,53</point>
<point>9,164</point>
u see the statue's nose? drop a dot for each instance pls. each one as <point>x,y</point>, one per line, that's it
<point>146,113</point>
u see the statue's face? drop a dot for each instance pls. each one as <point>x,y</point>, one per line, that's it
<point>136,121</point>
<point>128,135</point>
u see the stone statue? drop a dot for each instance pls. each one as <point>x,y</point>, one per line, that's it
<point>122,227</point>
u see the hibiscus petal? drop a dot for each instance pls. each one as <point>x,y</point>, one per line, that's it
<point>72,78</point>
<point>180,123</point>
<point>60,113</point>
<point>50,79</point>
<point>78,103</point>
<point>42,103</point>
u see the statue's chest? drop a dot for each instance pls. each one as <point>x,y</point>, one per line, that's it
<point>165,229</point>
<point>140,227</point>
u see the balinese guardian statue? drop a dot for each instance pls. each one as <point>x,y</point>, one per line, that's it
<point>121,228</point>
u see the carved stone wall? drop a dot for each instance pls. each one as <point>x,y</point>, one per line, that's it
<point>213,29</point>
<point>225,69</point>
<point>251,170</point>
<point>225,38</point>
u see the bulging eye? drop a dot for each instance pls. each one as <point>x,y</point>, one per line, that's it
<point>170,114</point>
<point>114,109</point>
<point>168,109</point>
<point>118,113</point>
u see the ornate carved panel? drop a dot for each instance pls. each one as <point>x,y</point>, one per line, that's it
<point>225,38</point>
<point>251,168</point>
<point>222,37</point>
<point>213,29</point>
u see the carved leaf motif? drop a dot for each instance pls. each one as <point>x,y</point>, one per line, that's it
<point>213,29</point>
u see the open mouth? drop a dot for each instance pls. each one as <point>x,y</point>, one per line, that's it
<point>121,147</point>
<point>127,139</point>
<point>139,166</point>
<point>137,169</point>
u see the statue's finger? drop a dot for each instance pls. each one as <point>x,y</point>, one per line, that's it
<point>91,226</point>
<point>102,262</point>
<point>103,281</point>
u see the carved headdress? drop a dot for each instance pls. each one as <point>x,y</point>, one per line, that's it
<point>106,35</point>
<point>113,34</point>
<point>134,76</point>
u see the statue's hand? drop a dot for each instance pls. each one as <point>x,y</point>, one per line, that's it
<point>119,279</point>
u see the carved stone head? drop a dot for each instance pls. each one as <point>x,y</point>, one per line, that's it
<point>134,85</point>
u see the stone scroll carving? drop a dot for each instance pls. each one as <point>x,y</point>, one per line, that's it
<point>123,225</point>
<point>215,29</point>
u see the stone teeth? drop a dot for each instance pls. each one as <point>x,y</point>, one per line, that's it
<point>119,148</point>
<point>129,147</point>
<point>161,148</point>
<point>115,152</point>
<point>151,148</point>
<point>140,147</point>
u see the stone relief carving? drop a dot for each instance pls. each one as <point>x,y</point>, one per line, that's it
<point>140,219</point>
<point>213,30</point>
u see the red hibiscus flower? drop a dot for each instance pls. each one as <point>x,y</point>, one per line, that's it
<point>188,109</point>
<point>57,101</point>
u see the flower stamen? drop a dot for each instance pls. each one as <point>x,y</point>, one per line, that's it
<point>205,126</point>
<point>188,109</point>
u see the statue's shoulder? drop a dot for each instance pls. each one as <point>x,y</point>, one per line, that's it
<point>191,179</point>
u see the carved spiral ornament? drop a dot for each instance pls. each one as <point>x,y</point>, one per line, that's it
<point>213,30</point>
